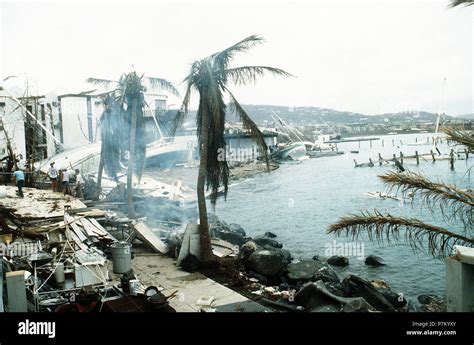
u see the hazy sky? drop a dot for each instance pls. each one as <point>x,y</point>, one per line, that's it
<point>361,56</point>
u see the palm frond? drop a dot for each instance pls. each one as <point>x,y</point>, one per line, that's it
<point>183,112</point>
<point>250,126</point>
<point>101,82</point>
<point>455,3</point>
<point>454,203</point>
<point>163,84</point>
<point>416,233</point>
<point>223,58</point>
<point>249,74</point>
<point>461,137</point>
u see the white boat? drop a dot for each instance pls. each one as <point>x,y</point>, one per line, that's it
<point>168,152</point>
<point>292,151</point>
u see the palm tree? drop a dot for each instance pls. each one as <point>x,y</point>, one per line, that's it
<point>124,114</point>
<point>210,77</point>
<point>455,3</point>
<point>456,205</point>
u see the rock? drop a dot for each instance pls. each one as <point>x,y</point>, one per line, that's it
<point>260,277</point>
<point>303,271</point>
<point>262,241</point>
<point>232,237</point>
<point>247,248</point>
<point>354,286</point>
<point>427,299</point>
<point>267,262</point>
<point>379,283</point>
<point>435,305</point>
<point>270,234</point>
<point>396,299</point>
<point>357,305</point>
<point>316,297</point>
<point>327,275</point>
<point>237,229</point>
<point>316,257</point>
<point>190,263</point>
<point>337,260</point>
<point>373,260</point>
<point>283,287</point>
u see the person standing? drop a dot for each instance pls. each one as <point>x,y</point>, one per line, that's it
<point>79,184</point>
<point>19,180</point>
<point>65,182</point>
<point>53,176</point>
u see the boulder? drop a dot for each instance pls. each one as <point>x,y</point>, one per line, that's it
<point>190,263</point>
<point>303,271</point>
<point>354,286</point>
<point>231,237</point>
<point>264,241</point>
<point>373,260</point>
<point>396,299</point>
<point>237,229</point>
<point>435,305</point>
<point>267,262</point>
<point>316,298</point>
<point>427,299</point>
<point>327,275</point>
<point>270,234</point>
<point>337,260</point>
<point>357,305</point>
<point>247,248</point>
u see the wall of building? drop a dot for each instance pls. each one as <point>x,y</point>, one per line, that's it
<point>14,125</point>
<point>78,128</point>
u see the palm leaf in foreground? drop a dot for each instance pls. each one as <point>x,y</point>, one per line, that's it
<point>416,233</point>
<point>460,137</point>
<point>454,203</point>
<point>455,3</point>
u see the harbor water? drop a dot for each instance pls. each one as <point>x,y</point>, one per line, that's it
<point>298,202</point>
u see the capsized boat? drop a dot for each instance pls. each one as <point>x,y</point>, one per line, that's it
<point>292,151</point>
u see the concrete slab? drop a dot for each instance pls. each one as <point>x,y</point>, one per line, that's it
<point>161,271</point>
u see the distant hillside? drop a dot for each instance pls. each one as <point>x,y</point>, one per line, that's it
<point>316,115</point>
<point>466,116</point>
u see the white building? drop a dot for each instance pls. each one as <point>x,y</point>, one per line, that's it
<point>28,128</point>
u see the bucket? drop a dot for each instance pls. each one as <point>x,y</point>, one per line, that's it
<point>59,273</point>
<point>3,192</point>
<point>121,257</point>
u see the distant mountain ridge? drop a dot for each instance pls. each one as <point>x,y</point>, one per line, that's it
<point>316,115</point>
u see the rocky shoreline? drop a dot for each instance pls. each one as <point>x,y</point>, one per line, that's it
<point>267,273</point>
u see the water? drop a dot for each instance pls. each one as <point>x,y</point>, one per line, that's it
<point>299,202</point>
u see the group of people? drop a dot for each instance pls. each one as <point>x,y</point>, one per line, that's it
<point>62,175</point>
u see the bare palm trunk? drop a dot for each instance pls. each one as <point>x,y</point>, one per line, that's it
<point>133,128</point>
<point>101,166</point>
<point>205,240</point>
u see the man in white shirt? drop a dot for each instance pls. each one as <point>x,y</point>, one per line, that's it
<point>65,181</point>
<point>53,176</point>
<point>79,184</point>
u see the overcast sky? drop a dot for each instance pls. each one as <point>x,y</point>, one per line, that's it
<point>362,56</point>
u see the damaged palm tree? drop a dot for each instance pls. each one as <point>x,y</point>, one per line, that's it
<point>456,206</point>
<point>124,128</point>
<point>210,78</point>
